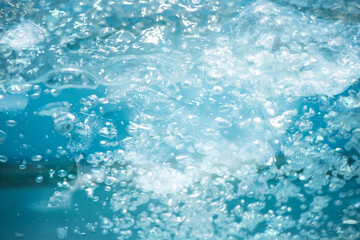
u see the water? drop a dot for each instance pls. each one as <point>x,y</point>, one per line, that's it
<point>180,119</point>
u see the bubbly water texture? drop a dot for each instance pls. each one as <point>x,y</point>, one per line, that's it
<point>196,119</point>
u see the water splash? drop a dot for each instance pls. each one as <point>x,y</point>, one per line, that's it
<point>200,119</point>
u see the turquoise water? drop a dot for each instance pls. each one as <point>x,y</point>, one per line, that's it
<point>179,119</point>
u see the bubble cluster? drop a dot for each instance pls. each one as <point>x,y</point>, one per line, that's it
<point>192,119</point>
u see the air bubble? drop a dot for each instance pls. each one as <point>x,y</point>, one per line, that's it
<point>3,136</point>
<point>51,173</point>
<point>39,179</point>
<point>64,123</point>
<point>36,158</point>
<point>217,90</point>
<point>54,109</point>
<point>78,157</point>
<point>11,123</point>
<point>106,223</point>
<point>192,119</point>
<point>62,232</point>
<point>108,132</point>
<point>61,173</point>
<point>71,78</point>
<point>3,159</point>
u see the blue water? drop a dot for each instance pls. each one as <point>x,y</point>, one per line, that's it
<point>179,119</point>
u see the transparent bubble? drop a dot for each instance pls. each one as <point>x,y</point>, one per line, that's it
<point>51,173</point>
<point>62,232</point>
<point>62,173</point>
<point>3,136</point>
<point>11,123</point>
<point>3,159</point>
<point>64,123</point>
<point>192,119</point>
<point>36,158</point>
<point>39,179</point>
<point>106,223</point>
<point>108,132</point>
<point>54,109</point>
<point>71,78</point>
